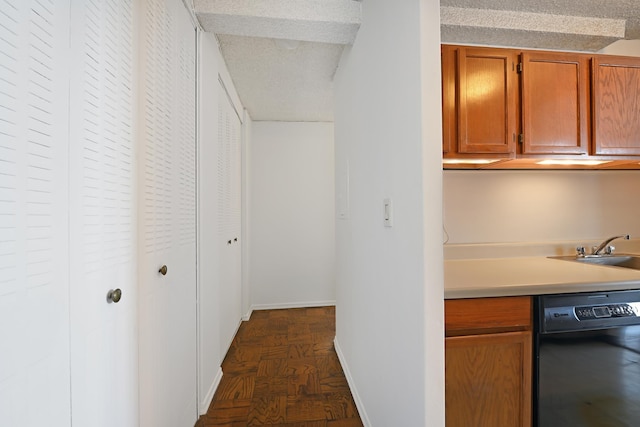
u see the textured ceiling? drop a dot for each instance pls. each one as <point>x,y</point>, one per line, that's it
<point>282,54</point>
<point>279,84</point>
<point>277,79</point>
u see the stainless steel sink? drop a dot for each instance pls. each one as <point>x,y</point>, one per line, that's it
<point>618,260</point>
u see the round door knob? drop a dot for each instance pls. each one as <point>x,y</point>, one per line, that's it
<point>114,295</point>
<point>163,270</point>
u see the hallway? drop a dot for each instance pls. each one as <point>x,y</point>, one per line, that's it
<point>282,370</point>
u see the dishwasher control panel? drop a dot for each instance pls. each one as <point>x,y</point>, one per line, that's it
<point>604,311</point>
<point>587,311</point>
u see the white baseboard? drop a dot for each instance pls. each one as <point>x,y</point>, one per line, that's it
<point>352,386</point>
<point>204,405</point>
<point>287,305</point>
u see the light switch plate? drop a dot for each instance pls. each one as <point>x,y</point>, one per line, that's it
<point>388,212</point>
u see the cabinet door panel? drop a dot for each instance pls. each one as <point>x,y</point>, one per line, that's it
<point>488,380</point>
<point>616,107</point>
<point>486,101</point>
<point>555,103</point>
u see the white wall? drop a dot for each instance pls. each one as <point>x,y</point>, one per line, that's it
<point>389,280</point>
<point>247,132</point>
<point>623,47</point>
<point>291,194</point>
<point>540,206</point>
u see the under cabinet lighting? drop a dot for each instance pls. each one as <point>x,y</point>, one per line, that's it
<point>572,162</point>
<point>469,161</point>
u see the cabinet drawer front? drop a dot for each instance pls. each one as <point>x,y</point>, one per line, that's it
<point>485,315</point>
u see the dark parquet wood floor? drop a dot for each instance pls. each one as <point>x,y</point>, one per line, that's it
<point>282,370</point>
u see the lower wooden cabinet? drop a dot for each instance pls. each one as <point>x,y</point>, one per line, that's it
<point>488,369</point>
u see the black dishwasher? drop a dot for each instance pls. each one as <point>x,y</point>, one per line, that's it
<point>587,364</point>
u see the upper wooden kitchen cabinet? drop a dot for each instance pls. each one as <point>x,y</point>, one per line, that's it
<point>479,101</point>
<point>616,105</point>
<point>555,103</point>
<point>512,109</point>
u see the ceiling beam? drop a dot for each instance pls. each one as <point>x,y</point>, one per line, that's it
<point>324,21</point>
<point>539,30</point>
<point>528,21</point>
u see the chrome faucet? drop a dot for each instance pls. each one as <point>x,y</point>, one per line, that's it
<point>605,244</point>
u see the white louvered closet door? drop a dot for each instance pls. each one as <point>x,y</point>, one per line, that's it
<point>229,216</point>
<point>34,290</point>
<point>167,308</point>
<point>102,162</point>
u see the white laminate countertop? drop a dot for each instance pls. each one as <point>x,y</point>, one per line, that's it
<point>537,275</point>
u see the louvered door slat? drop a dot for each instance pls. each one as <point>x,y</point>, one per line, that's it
<point>34,307</point>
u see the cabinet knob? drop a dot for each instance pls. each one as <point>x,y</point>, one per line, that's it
<point>163,270</point>
<point>114,295</point>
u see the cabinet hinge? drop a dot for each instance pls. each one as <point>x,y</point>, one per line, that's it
<point>519,67</point>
